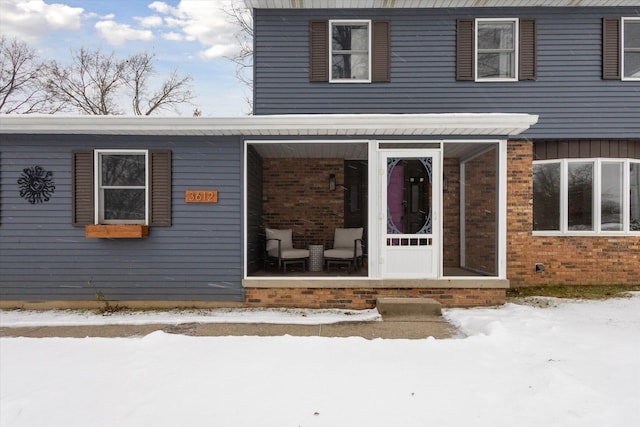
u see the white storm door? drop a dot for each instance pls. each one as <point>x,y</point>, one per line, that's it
<point>410,213</point>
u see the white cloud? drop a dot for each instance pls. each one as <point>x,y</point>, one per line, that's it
<point>31,19</point>
<point>93,15</point>
<point>117,34</point>
<point>174,22</point>
<point>218,51</point>
<point>150,21</point>
<point>162,7</point>
<point>173,36</point>
<point>202,21</point>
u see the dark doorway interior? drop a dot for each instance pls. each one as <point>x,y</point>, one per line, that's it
<point>355,194</point>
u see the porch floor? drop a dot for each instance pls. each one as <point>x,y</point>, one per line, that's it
<point>296,271</point>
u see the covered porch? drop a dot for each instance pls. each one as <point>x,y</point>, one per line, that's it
<point>314,188</point>
<point>432,209</point>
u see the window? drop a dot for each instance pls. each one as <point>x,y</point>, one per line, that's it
<point>546,194</point>
<point>496,50</point>
<point>122,187</point>
<point>354,51</point>
<point>631,48</point>
<point>634,196</point>
<point>496,53</point>
<point>611,202</point>
<point>621,48</point>
<point>589,196</point>
<point>350,46</point>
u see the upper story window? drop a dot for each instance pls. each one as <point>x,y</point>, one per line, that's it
<point>353,51</point>
<point>121,187</point>
<point>586,196</point>
<point>350,47</point>
<point>631,48</point>
<point>496,49</point>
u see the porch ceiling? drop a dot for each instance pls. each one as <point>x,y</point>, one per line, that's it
<point>351,151</point>
<point>354,151</point>
<point>277,125</point>
<point>320,4</point>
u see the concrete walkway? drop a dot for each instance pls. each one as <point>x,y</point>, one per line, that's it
<point>432,326</point>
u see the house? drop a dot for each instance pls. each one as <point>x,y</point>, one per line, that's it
<point>478,144</point>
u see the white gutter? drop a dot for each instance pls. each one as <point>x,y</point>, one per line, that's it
<point>419,4</point>
<point>275,125</point>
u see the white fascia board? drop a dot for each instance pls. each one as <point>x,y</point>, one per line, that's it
<point>276,125</point>
<point>419,4</point>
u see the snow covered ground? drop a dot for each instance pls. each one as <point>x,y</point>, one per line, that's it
<point>18,318</point>
<point>571,364</point>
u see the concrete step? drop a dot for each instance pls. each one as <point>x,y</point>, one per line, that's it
<point>408,309</point>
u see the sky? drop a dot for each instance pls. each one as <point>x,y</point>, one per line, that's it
<point>554,363</point>
<point>195,37</point>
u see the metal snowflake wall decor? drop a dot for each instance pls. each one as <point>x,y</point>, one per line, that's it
<point>36,185</point>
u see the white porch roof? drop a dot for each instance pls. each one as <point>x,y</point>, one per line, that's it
<point>392,4</point>
<point>276,125</point>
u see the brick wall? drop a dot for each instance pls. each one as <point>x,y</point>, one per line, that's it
<point>571,260</point>
<point>451,214</point>
<point>363,298</point>
<point>481,212</point>
<point>296,195</point>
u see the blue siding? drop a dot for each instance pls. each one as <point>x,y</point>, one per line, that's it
<point>42,256</point>
<point>569,95</point>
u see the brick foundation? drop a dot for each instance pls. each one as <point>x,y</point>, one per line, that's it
<point>363,298</point>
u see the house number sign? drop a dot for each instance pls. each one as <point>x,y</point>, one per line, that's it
<point>201,196</point>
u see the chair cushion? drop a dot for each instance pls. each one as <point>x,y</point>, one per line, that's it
<point>339,253</point>
<point>344,238</point>
<point>295,253</point>
<point>285,237</point>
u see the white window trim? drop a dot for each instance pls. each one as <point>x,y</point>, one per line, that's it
<point>349,22</point>
<point>97,179</point>
<point>597,198</point>
<point>516,48</point>
<point>622,49</point>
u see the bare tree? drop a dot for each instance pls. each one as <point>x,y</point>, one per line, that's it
<point>173,91</point>
<point>241,17</point>
<point>90,84</point>
<point>21,89</point>
<point>97,84</point>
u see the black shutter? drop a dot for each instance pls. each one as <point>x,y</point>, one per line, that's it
<point>160,188</point>
<point>82,189</point>
<point>611,68</point>
<point>319,51</point>
<point>465,69</point>
<point>381,52</point>
<point>528,50</point>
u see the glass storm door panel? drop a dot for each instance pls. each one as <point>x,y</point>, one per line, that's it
<point>411,199</point>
